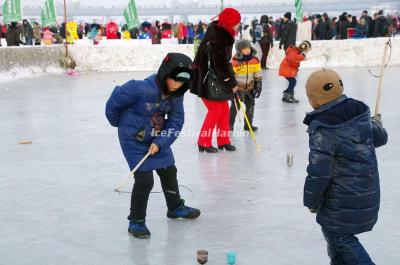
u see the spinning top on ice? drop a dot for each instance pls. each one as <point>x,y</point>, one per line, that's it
<point>202,256</point>
<point>289,159</point>
<point>231,258</point>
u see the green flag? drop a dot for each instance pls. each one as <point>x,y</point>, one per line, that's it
<point>130,14</point>
<point>49,17</point>
<point>299,10</point>
<point>12,11</point>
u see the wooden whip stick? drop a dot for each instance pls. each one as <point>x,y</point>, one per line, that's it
<point>378,98</point>
<point>132,172</point>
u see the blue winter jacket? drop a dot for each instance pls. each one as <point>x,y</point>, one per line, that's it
<point>144,115</point>
<point>343,178</point>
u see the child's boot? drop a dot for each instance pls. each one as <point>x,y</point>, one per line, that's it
<point>139,229</point>
<point>292,99</point>
<point>285,96</point>
<point>250,116</point>
<point>183,212</point>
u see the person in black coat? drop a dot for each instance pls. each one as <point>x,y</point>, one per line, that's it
<point>341,27</point>
<point>62,30</point>
<point>369,21</point>
<point>381,26</point>
<point>320,29</point>
<point>342,186</point>
<point>353,22</point>
<point>219,40</point>
<point>13,35</point>
<point>289,32</point>
<point>27,31</point>
<point>266,41</point>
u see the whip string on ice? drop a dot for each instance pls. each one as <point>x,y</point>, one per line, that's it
<point>389,43</point>
<point>158,192</point>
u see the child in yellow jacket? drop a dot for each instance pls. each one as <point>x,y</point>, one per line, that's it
<point>248,74</point>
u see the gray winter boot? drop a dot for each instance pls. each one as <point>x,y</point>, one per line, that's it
<point>290,98</point>
<point>285,96</point>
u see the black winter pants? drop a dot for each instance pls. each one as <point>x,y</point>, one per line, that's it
<point>248,99</point>
<point>265,51</point>
<point>144,182</point>
<point>345,249</point>
<point>292,84</point>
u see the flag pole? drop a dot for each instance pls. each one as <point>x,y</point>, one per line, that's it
<point>65,28</point>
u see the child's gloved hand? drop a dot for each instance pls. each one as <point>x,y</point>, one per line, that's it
<point>316,210</point>
<point>378,118</point>
<point>154,149</point>
<point>257,89</point>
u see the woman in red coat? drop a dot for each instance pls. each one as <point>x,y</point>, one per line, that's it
<point>290,67</point>
<point>221,37</point>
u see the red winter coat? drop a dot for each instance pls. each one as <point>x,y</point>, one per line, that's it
<point>112,31</point>
<point>290,65</point>
<point>182,31</point>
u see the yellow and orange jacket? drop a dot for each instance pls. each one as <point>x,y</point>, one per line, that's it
<point>246,72</point>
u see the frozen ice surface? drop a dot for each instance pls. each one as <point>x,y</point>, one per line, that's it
<point>57,201</point>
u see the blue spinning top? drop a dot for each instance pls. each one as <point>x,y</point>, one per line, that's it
<point>231,257</point>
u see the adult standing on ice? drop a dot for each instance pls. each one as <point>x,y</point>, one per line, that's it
<point>289,32</point>
<point>149,115</point>
<point>220,36</point>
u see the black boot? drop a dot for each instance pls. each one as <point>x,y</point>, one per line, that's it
<point>292,99</point>
<point>227,147</point>
<point>285,97</point>
<point>208,149</point>
<point>254,128</point>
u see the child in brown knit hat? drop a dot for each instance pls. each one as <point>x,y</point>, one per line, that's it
<point>342,185</point>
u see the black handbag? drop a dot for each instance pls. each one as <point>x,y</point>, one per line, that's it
<point>216,90</point>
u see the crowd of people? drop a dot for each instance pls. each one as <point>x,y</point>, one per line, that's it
<point>27,33</point>
<point>319,27</point>
<point>324,27</point>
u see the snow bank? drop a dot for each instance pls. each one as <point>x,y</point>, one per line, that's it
<point>343,53</point>
<point>24,62</point>
<point>131,55</point>
<point>128,56</point>
<point>124,55</point>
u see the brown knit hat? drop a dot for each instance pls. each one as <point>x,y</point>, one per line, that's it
<point>323,86</point>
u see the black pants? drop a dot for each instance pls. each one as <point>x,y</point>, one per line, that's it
<point>265,51</point>
<point>292,84</point>
<point>345,249</point>
<point>248,99</point>
<point>144,182</point>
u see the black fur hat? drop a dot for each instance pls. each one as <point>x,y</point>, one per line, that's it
<point>243,44</point>
<point>288,15</point>
<point>178,67</point>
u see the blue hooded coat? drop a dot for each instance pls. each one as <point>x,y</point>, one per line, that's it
<point>343,178</point>
<point>146,113</point>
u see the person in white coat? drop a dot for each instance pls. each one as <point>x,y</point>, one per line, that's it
<point>304,29</point>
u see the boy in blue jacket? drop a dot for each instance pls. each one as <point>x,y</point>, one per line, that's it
<point>342,186</point>
<point>149,115</point>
